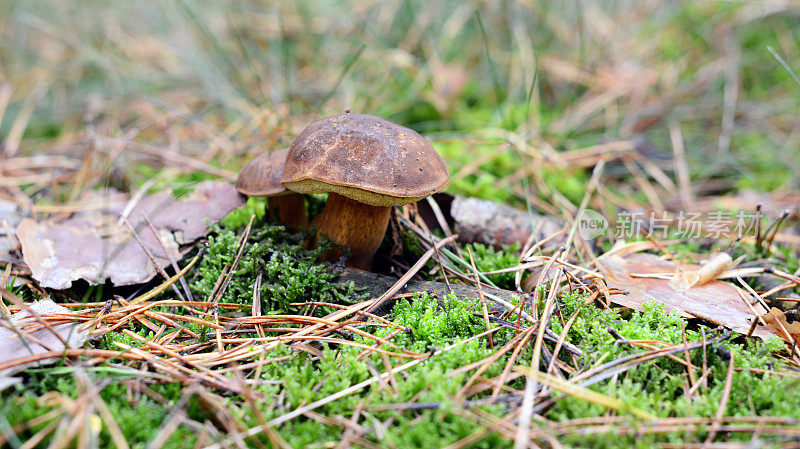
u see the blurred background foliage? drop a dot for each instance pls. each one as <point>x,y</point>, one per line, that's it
<point>498,86</point>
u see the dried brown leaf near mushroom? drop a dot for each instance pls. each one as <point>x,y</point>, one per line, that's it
<point>631,275</point>
<point>692,291</point>
<point>126,240</point>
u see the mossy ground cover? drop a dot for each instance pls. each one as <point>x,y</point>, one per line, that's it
<point>165,96</point>
<point>427,323</point>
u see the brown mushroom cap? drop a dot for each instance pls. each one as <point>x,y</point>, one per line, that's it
<point>262,175</point>
<point>365,158</point>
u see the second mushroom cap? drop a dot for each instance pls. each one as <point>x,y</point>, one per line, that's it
<point>262,175</point>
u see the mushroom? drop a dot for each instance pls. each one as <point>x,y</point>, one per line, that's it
<point>262,177</point>
<point>367,165</point>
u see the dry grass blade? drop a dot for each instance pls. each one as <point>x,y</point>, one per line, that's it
<point>521,438</point>
<point>484,310</point>
<point>723,403</point>
<point>584,394</point>
<point>681,167</point>
<point>17,130</point>
<point>160,289</point>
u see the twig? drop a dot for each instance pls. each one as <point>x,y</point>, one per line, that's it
<point>723,404</point>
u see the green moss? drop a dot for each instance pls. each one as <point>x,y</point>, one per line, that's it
<point>288,272</point>
<point>657,386</point>
<point>483,182</point>
<point>239,218</point>
<point>432,324</point>
<point>488,259</point>
<point>139,420</point>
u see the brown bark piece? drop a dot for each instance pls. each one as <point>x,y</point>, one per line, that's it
<point>496,224</point>
<point>96,246</point>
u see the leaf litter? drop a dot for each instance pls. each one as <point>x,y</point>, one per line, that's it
<point>607,84</point>
<point>23,334</point>
<point>691,291</point>
<point>97,245</point>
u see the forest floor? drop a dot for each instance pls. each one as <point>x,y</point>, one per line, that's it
<point>672,126</point>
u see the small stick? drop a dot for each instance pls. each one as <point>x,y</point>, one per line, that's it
<point>692,379</point>
<point>766,307</point>
<point>777,226</point>
<point>723,404</point>
<point>705,359</point>
<point>256,309</point>
<point>153,258</point>
<point>758,227</point>
<point>441,266</point>
<point>172,261</point>
<point>733,243</point>
<point>437,212</point>
<point>484,310</point>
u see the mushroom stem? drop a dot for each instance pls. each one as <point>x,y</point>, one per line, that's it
<point>355,225</point>
<point>289,209</point>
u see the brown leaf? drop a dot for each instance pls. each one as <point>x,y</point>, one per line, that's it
<point>17,343</point>
<point>715,301</point>
<point>776,316</point>
<point>95,246</point>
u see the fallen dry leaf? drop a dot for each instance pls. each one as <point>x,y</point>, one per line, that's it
<point>95,246</point>
<point>776,316</point>
<point>17,343</point>
<point>9,213</point>
<point>715,301</point>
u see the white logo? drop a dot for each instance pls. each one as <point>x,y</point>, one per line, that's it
<point>591,224</point>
